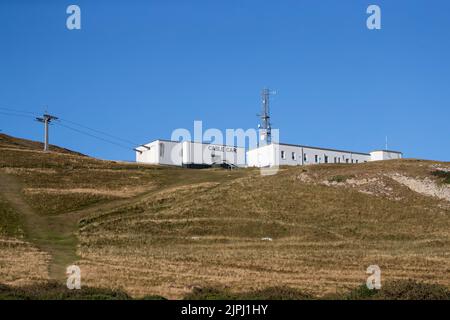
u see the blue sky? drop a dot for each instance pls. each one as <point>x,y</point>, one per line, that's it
<point>140,69</point>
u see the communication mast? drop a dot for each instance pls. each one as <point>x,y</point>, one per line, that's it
<point>265,128</point>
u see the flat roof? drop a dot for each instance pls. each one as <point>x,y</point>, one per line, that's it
<point>392,151</point>
<point>207,143</point>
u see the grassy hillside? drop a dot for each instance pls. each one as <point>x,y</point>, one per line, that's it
<point>149,230</point>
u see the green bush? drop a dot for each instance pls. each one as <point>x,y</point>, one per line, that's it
<point>339,178</point>
<point>271,293</point>
<point>443,175</point>
<point>412,290</point>
<point>210,293</point>
<point>396,290</point>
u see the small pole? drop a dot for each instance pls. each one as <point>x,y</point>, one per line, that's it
<point>46,135</point>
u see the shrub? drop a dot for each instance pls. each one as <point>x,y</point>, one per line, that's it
<point>399,290</point>
<point>412,290</point>
<point>271,293</point>
<point>56,291</point>
<point>443,175</point>
<point>209,293</point>
<point>339,178</point>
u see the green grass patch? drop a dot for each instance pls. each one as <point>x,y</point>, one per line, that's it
<point>10,221</point>
<point>52,204</point>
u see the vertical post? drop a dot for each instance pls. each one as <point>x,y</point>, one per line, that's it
<point>46,119</point>
<point>45,134</point>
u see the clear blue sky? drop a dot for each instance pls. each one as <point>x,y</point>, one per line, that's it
<point>139,69</point>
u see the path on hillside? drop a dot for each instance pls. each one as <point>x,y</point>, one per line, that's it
<point>57,234</point>
<point>49,233</point>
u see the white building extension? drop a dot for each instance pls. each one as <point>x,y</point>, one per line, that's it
<point>385,155</point>
<point>190,154</point>
<point>289,154</point>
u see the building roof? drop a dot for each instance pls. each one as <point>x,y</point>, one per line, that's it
<point>207,143</point>
<point>391,151</point>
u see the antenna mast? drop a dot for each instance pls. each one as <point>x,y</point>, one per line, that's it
<point>265,127</point>
<point>46,119</point>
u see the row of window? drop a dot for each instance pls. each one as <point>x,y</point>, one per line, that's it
<point>317,159</point>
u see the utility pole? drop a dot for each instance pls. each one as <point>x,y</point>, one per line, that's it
<point>46,119</point>
<point>265,126</point>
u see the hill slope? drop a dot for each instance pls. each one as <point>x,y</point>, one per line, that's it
<point>163,230</point>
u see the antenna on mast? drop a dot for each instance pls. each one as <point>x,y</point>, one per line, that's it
<point>265,128</point>
<point>386,146</point>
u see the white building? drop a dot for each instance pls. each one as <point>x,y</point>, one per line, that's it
<point>190,154</point>
<point>289,154</point>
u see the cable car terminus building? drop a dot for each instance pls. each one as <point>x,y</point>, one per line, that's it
<point>190,154</point>
<point>267,154</point>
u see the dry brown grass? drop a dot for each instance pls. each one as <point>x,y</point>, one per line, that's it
<point>177,229</point>
<point>324,237</point>
<point>22,263</point>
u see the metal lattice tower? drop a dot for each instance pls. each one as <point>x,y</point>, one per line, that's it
<point>265,126</point>
<point>46,119</point>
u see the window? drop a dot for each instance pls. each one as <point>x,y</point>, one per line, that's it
<point>305,158</point>
<point>161,150</point>
<point>293,156</point>
<point>316,158</point>
<point>283,154</point>
<point>356,161</point>
<point>335,160</point>
<point>326,158</point>
<point>346,160</point>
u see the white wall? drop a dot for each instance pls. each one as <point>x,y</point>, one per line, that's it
<point>187,152</point>
<point>203,153</point>
<point>262,157</point>
<point>160,152</point>
<point>385,155</point>
<point>317,155</point>
<point>283,154</point>
<point>148,154</point>
<point>170,153</point>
